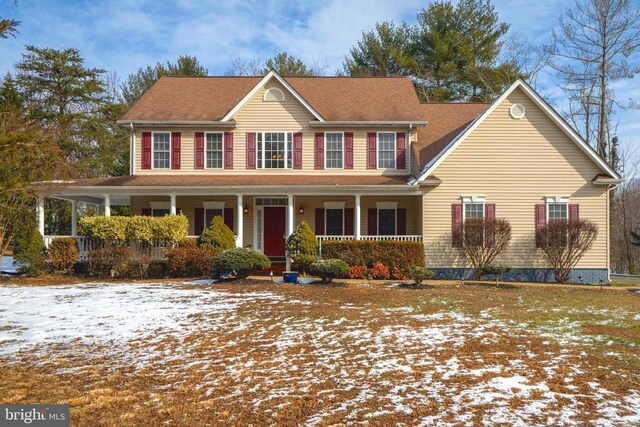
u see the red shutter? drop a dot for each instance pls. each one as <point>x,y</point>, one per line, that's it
<point>348,221</point>
<point>297,150</point>
<point>348,150</point>
<point>372,226</point>
<point>401,222</point>
<point>371,151</point>
<point>251,150</point>
<point>541,221</point>
<point>228,217</point>
<point>198,221</point>
<point>175,150</point>
<point>146,150</point>
<point>146,212</point>
<point>199,151</point>
<point>228,150</point>
<point>319,222</point>
<point>401,157</point>
<point>490,211</point>
<point>574,213</point>
<point>319,150</point>
<point>456,225</point>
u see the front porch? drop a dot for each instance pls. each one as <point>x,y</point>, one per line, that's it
<point>263,221</point>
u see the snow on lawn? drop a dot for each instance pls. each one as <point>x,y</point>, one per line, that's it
<point>265,351</point>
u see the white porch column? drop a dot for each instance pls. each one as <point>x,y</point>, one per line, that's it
<point>98,209</point>
<point>172,207</point>
<point>107,205</point>
<point>40,212</point>
<point>290,223</point>
<point>239,222</point>
<point>74,218</point>
<point>356,217</point>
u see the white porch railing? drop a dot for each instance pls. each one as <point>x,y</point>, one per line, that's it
<point>405,238</point>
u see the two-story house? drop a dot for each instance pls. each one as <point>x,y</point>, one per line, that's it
<point>357,158</point>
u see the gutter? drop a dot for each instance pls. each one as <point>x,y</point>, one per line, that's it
<point>186,123</point>
<point>364,123</point>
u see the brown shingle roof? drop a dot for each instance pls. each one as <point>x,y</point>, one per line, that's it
<point>237,180</point>
<point>334,98</point>
<point>445,122</point>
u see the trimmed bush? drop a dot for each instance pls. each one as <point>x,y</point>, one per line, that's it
<point>302,246</point>
<point>190,261</point>
<point>189,242</point>
<point>391,253</point>
<point>496,271</point>
<point>119,262</point>
<point>218,235</point>
<point>418,273</point>
<point>358,272</point>
<point>63,254</point>
<point>379,271</point>
<point>118,230</point>
<point>329,269</point>
<point>28,250</point>
<point>399,274</point>
<point>241,262</point>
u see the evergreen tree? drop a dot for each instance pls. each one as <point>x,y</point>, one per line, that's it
<point>218,235</point>
<point>286,65</point>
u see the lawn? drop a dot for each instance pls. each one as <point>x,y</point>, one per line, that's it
<point>259,353</point>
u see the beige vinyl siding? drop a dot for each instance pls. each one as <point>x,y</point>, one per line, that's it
<point>257,116</point>
<point>188,204</point>
<point>514,163</point>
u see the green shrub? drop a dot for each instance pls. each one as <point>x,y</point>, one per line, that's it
<point>28,250</point>
<point>418,273</point>
<point>496,271</point>
<point>117,230</point>
<point>302,246</point>
<point>218,235</point>
<point>189,242</point>
<point>241,262</point>
<point>379,271</point>
<point>391,253</point>
<point>63,254</point>
<point>329,269</point>
<point>190,261</point>
<point>119,262</point>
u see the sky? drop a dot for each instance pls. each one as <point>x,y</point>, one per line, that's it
<point>124,35</point>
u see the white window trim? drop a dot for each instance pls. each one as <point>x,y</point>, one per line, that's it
<point>325,150</point>
<point>286,158</point>
<point>556,200</point>
<point>153,162</point>
<point>213,205</point>
<point>474,199</point>
<point>206,151</point>
<point>387,205</point>
<point>395,149</point>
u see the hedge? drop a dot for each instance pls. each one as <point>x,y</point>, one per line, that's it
<point>391,253</point>
<point>119,262</point>
<point>63,254</point>
<point>241,262</point>
<point>141,229</point>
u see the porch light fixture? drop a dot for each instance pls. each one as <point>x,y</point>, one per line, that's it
<point>301,210</point>
<point>246,209</point>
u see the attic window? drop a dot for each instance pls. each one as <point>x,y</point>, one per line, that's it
<point>517,111</point>
<point>273,95</point>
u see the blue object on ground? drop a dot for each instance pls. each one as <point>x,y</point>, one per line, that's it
<point>290,276</point>
<point>9,266</point>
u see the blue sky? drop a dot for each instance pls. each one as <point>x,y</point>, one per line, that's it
<point>124,35</point>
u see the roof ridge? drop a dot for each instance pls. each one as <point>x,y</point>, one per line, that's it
<point>287,77</point>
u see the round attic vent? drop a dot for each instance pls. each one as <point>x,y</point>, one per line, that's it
<point>517,111</point>
<point>274,95</point>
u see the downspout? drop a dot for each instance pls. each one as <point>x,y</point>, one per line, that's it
<point>610,188</point>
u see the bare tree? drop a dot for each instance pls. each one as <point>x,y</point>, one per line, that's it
<point>564,243</point>
<point>480,240</point>
<point>588,53</point>
<point>528,59</point>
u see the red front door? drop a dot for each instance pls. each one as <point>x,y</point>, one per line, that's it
<point>274,229</point>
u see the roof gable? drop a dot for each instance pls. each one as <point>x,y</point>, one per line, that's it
<point>546,108</point>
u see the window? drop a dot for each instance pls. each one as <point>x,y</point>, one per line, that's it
<point>386,222</point>
<point>473,210</point>
<point>334,219</point>
<point>274,150</point>
<point>556,211</point>
<point>334,149</point>
<point>209,214</point>
<point>214,150</point>
<point>159,212</point>
<point>161,150</point>
<point>386,150</point>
